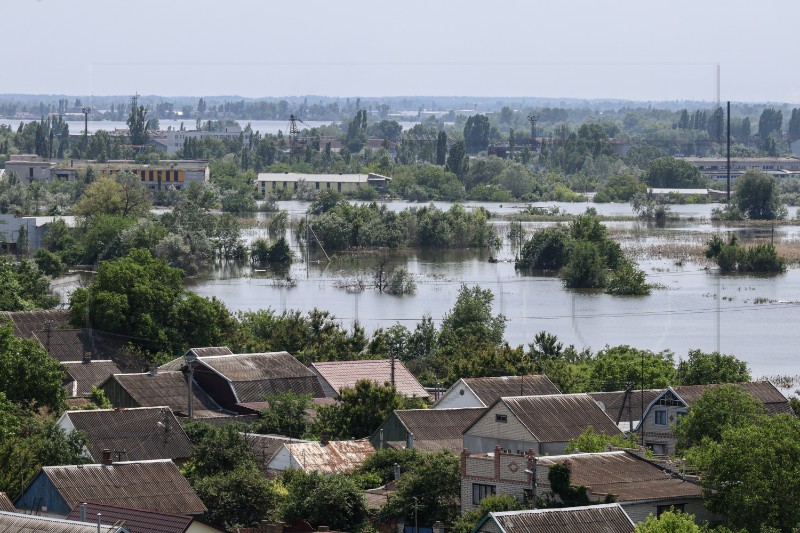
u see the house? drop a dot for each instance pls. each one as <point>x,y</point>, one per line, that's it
<point>26,233</point>
<point>544,424</point>
<point>325,457</point>
<point>154,485</point>
<point>139,520</point>
<point>425,429</point>
<point>343,183</point>
<point>337,375</point>
<point>137,434</point>
<point>76,344</point>
<point>175,138</point>
<point>25,323</point>
<point>608,518</point>
<point>666,409</point>
<point>240,378</point>
<point>83,376</point>
<point>716,168</point>
<point>641,486</point>
<point>625,407</point>
<point>265,447</point>
<point>483,392</point>
<point>157,388</point>
<point>18,522</point>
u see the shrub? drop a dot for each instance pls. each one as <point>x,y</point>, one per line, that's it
<point>627,280</point>
<point>548,249</point>
<point>586,268</point>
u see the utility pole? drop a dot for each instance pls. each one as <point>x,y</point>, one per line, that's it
<point>729,152</point>
<point>190,359</point>
<point>86,110</point>
<point>532,119</point>
<point>641,424</point>
<point>416,527</point>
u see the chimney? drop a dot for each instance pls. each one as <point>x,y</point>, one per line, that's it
<point>154,370</point>
<point>380,446</point>
<point>83,512</point>
<point>410,441</point>
<point>324,437</point>
<point>106,457</point>
<point>87,357</point>
<point>99,516</point>
<point>396,471</point>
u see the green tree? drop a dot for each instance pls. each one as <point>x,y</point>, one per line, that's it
<point>123,195</point>
<point>619,188</point>
<point>138,124</point>
<point>613,367</point>
<point>491,504</point>
<point>547,249</point>
<point>441,148</point>
<point>627,280</point>
<point>517,179</point>
<point>586,267</point>
<point>715,410</point>
<point>770,121</point>
<point>471,318</point>
<point>334,501</point>
<point>457,160</point>
<point>794,125</point>
<point>752,474</point>
<point>28,375</point>
<point>23,287</point>
<point>476,133</point>
<point>286,415</point>
<point>48,262</point>
<point>669,172</point>
<point>432,487</point>
<point>220,450</point>
<point>669,522</point>
<point>757,195</point>
<point>381,463</point>
<point>590,441</point>
<point>702,368</point>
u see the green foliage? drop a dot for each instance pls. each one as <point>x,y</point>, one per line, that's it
<point>491,504</point>
<point>619,188</point>
<point>586,268</point>
<point>361,410</point>
<point>471,318</point>
<point>241,497</point>
<point>757,195</point>
<point>627,280</point>
<point>752,474</point>
<point>334,501</point>
<point>401,282</point>
<point>138,124</point>
<point>715,410</point>
<point>219,450</point>
<point>28,375</point>
<point>381,463</point>
<point>756,258</point>
<point>669,522</point>
<point>48,263</point>
<point>279,253</point>
<point>23,287</point>
<point>669,172</point>
<point>559,477</point>
<point>702,368</point>
<point>286,415</point>
<point>590,441</point>
<point>476,134</point>
<point>434,484</point>
<point>99,398</point>
<point>616,366</point>
<point>547,249</point>
<point>122,195</point>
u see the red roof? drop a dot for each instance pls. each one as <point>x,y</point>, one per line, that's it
<point>135,520</point>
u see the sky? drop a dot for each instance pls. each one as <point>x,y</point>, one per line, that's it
<point>612,49</point>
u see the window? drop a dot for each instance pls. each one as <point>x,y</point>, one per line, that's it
<point>501,418</point>
<point>317,185</point>
<point>479,492</point>
<point>660,418</point>
<point>339,186</point>
<point>675,507</point>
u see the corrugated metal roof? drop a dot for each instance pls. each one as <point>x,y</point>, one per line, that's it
<point>256,366</point>
<point>292,177</point>
<point>336,457</point>
<point>135,520</point>
<point>436,429</point>
<point>489,389</point>
<point>84,376</point>
<point>209,351</point>
<point>610,402</point>
<point>623,474</point>
<point>170,389</point>
<point>142,433</point>
<point>344,374</point>
<point>70,344</point>
<point>762,390</point>
<point>264,447</point>
<point>154,485</point>
<point>560,417</point>
<point>609,518</point>
<point>26,322</point>
<point>5,503</point>
<point>22,523</point>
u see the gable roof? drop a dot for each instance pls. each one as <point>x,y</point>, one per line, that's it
<point>623,474</point>
<point>489,389</point>
<point>610,402</point>
<point>83,376</point>
<point>134,520</point>
<point>264,447</point>
<point>143,433</point>
<point>255,375</point>
<point>170,389</point>
<point>22,523</point>
<point>5,504</point>
<point>72,344</point>
<point>26,322</point>
<point>344,374</point>
<point>436,429</point>
<point>209,351</point>
<point>335,457</point>
<point>154,485</point>
<point>558,417</point>
<point>608,518</point>
<point>765,391</point>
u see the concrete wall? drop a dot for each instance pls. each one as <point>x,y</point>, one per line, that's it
<point>660,437</point>
<point>504,471</point>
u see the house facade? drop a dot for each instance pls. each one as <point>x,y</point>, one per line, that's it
<point>483,392</point>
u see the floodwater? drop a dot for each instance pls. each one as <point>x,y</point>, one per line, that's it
<point>752,317</point>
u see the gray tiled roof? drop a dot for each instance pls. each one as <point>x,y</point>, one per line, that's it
<point>135,520</point>
<point>72,344</point>
<point>84,376</point>
<point>167,388</point>
<point>489,389</point>
<point>26,322</point>
<point>773,400</point>
<point>436,429</point>
<point>610,518</point>
<point>22,523</point>
<point>344,374</point>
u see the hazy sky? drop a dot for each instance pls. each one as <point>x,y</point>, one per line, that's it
<point>642,50</point>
